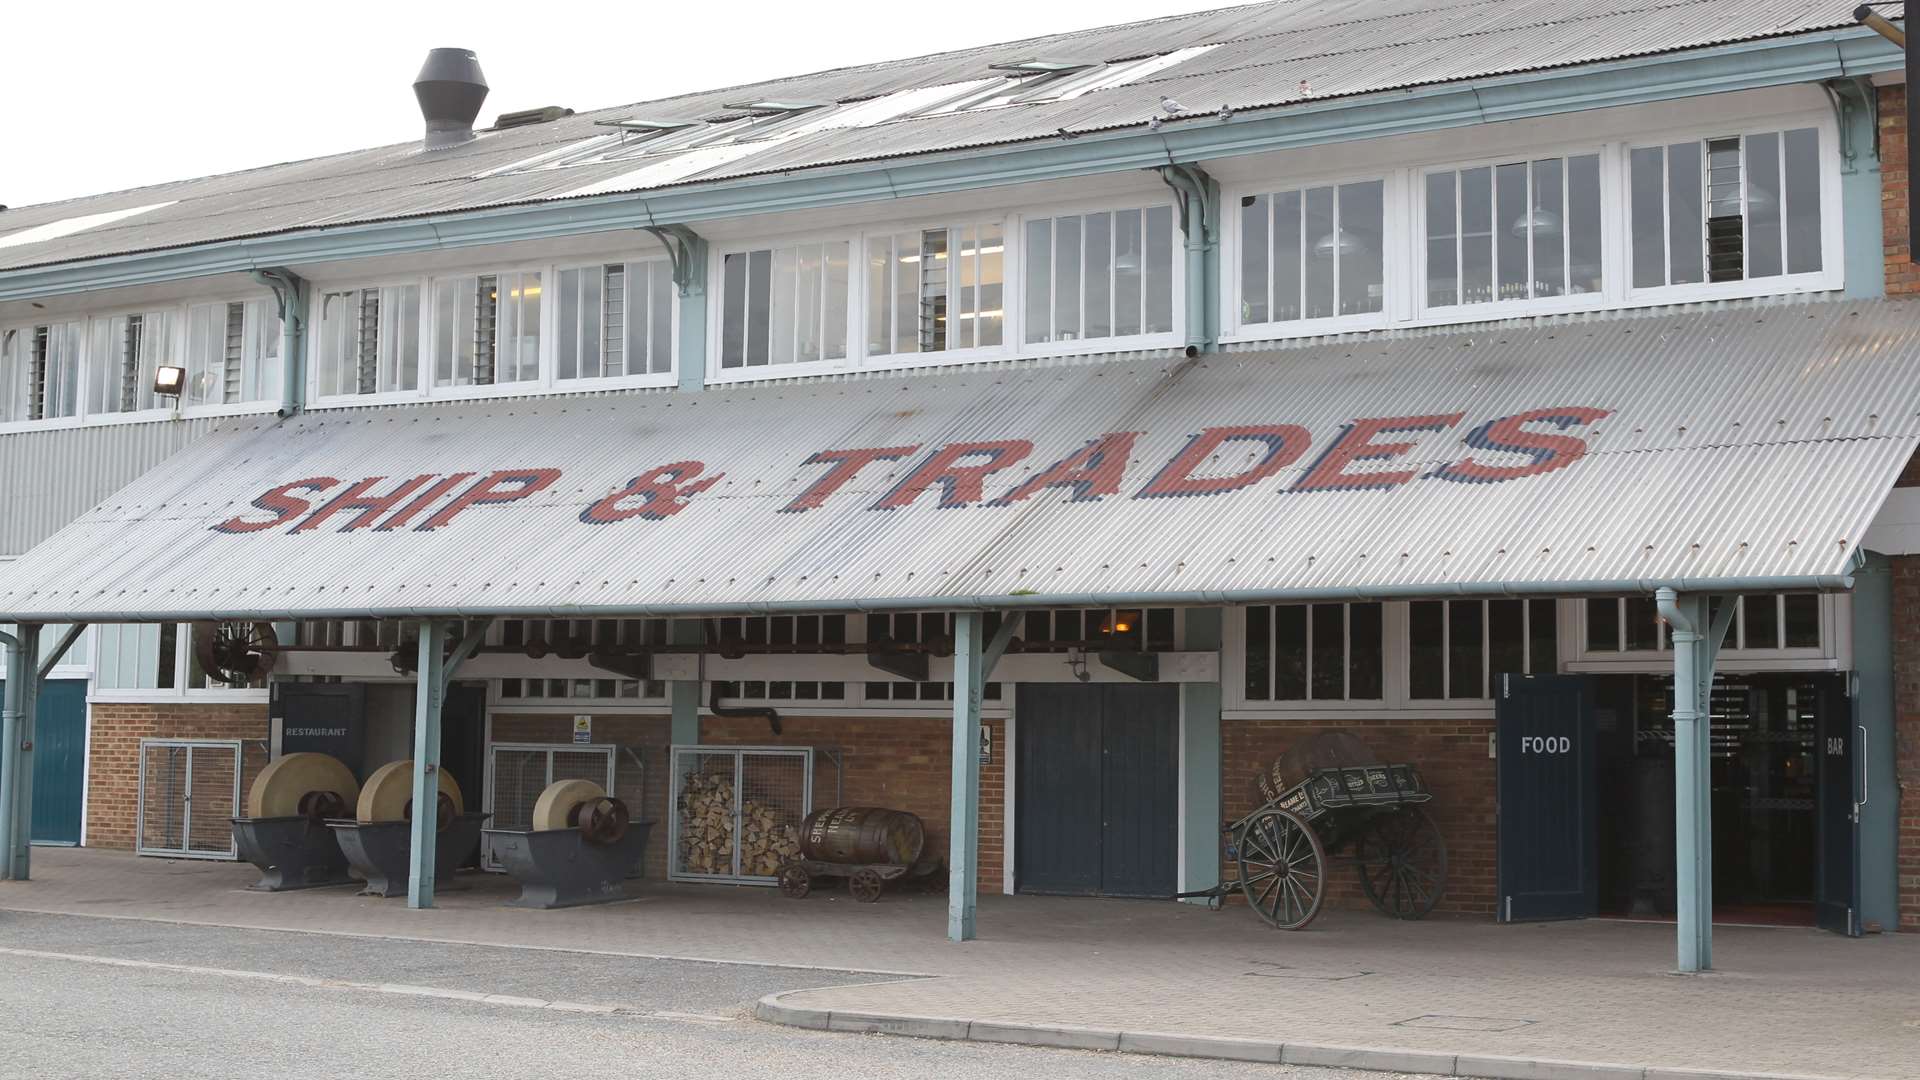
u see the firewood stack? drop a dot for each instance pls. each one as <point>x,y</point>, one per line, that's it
<point>706,831</point>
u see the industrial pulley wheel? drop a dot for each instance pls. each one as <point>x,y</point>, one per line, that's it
<point>795,882</point>
<point>865,885</point>
<point>388,796</point>
<point>303,785</point>
<point>583,805</point>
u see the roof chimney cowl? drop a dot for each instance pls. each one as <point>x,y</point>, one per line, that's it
<point>450,88</point>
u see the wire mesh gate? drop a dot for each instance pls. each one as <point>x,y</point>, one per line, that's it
<point>518,772</point>
<point>736,811</point>
<point>189,794</point>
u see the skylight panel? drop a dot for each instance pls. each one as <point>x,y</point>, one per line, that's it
<point>54,230</point>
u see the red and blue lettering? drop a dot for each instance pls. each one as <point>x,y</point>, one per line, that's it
<point>492,490</point>
<point>961,484</point>
<point>1285,443</point>
<point>663,492</point>
<point>1355,443</point>
<point>281,503</point>
<point>356,498</point>
<point>426,498</point>
<point>846,465</point>
<point>1090,472</point>
<point>1545,451</point>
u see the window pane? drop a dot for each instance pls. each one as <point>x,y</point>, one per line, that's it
<point>1099,275</point>
<point>1287,256</point>
<point>1648,180</point>
<point>1762,615</point>
<point>783,295</point>
<point>759,306</point>
<point>1255,211</point>
<point>1543,638</point>
<point>1510,230</point>
<point>1764,239</point>
<point>1259,670</point>
<point>1158,283</point>
<point>1039,263</point>
<point>1329,668</point>
<point>1803,200</point>
<point>1466,677</point>
<point>1643,624</point>
<point>1322,260</point>
<point>1426,649</point>
<point>1361,228</point>
<point>1547,222</point>
<point>573,328</point>
<point>810,275</point>
<point>1290,652</point>
<point>991,297</point>
<point>1726,225</point>
<point>659,321</point>
<point>1129,271</point>
<point>1603,625</point>
<point>1583,224</point>
<point>1685,230</point>
<point>881,265</point>
<point>1803,621</point>
<point>1476,236</point>
<point>733,311</point>
<point>833,332</point>
<point>1443,271</point>
<point>909,270</point>
<point>1365,652</point>
<point>1066,279</point>
<point>1506,637</point>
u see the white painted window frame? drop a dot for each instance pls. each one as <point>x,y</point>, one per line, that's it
<point>1835,652</point>
<point>1017,279</point>
<point>550,359</point>
<point>1405,271</point>
<point>1393,203</point>
<point>179,693</point>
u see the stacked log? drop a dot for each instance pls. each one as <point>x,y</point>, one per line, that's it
<point>768,841</point>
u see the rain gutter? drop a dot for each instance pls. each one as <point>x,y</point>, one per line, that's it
<point>1804,58</point>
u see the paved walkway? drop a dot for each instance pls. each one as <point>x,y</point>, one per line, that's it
<point>1440,993</point>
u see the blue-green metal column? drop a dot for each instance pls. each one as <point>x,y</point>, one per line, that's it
<point>1695,645</point>
<point>11,726</point>
<point>1200,797</point>
<point>428,699</point>
<point>1862,222</point>
<point>684,695</point>
<point>963,845</point>
<point>30,677</point>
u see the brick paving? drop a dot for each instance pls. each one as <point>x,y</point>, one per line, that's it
<point>1785,1001</point>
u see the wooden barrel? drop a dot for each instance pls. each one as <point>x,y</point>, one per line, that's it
<point>862,834</point>
<point>1327,750</point>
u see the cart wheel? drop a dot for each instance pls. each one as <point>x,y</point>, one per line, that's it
<point>1282,868</point>
<point>1216,902</point>
<point>865,885</point>
<point>1402,861</point>
<point>795,882</point>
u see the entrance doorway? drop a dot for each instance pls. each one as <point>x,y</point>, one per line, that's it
<point>1768,751</point>
<point>59,761</point>
<point>1097,789</point>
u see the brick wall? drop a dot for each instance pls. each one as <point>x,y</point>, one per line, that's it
<point>1903,278</point>
<point>1906,699</point>
<point>1451,754</point>
<point>902,763</point>
<point>113,783</point>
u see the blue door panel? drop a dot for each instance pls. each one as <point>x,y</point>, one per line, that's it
<point>59,760</point>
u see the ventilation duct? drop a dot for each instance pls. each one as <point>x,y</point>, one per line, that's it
<point>450,88</point>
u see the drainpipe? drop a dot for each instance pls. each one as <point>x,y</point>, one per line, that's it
<point>1693,849</point>
<point>290,294</point>
<point>1200,223</point>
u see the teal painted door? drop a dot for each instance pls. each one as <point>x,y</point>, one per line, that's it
<point>59,761</point>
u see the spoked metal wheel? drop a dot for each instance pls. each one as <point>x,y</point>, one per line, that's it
<point>1283,868</point>
<point>1402,860</point>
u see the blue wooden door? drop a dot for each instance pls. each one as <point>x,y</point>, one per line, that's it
<point>59,761</point>
<point>1549,822</point>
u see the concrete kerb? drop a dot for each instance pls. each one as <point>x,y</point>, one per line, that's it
<point>1168,1044</point>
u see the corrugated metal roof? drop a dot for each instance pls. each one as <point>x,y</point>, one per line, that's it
<point>53,476</point>
<point>1739,448</point>
<point>1264,55</point>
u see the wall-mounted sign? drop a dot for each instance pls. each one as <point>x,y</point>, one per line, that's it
<point>582,729</point>
<point>986,745</point>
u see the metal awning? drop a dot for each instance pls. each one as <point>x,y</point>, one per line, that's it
<point>1740,449</point>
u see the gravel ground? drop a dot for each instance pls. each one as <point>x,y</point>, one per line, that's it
<point>64,1016</point>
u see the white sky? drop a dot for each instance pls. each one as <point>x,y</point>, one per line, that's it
<point>105,96</point>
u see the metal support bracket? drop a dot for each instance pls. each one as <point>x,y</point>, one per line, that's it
<point>1002,640</point>
<point>463,652</point>
<point>290,297</point>
<point>911,666</point>
<point>60,649</point>
<point>1140,666</point>
<point>687,251</point>
<point>631,665</point>
<point>1849,96</point>
<point>1192,180</point>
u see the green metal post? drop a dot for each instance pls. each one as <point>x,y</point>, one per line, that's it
<point>1873,713</point>
<point>428,699</point>
<point>684,694</point>
<point>1200,796</point>
<point>16,767</point>
<point>963,845</point>
<point>1855,102</point>
<point>1695,645</point>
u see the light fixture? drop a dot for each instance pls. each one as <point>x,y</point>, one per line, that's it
<point>1346,241</point>
<point>169,381</point>
<point>1539,221</point>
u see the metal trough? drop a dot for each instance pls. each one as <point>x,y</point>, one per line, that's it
<point>560,868</point>
<point>379,851</point>
<point>291,852</point>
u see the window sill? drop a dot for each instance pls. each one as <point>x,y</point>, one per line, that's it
<point>144,416</point>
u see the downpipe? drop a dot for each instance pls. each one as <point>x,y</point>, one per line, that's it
<point>1693,858</point>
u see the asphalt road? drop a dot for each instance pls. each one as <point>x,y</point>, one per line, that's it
<point>83,997</point>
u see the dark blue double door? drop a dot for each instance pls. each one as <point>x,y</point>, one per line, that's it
<point>1096,800</point>
<point>59,761</point>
